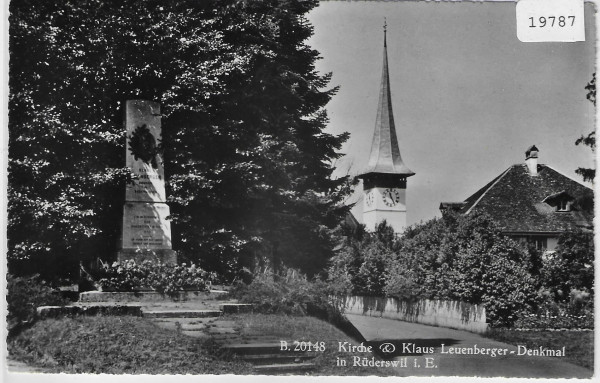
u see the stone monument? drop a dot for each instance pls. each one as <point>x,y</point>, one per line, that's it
<point>146,233</point>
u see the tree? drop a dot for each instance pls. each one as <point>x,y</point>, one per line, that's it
<point>247,161</point>
<point>422,248</point>
<point>359,265</point>
<point>588,174</point>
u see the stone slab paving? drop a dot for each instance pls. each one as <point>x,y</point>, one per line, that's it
<point>181,313</point>
<point>225,323</point>
<point>196,334</point>
<point>222,330</point>
<point>381,330</point>
<point>187,324</point>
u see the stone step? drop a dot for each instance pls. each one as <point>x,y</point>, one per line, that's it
<point>235,308</point>
<point>259,347</point>
<point>226,339</point>
<point>186,321</point>
<point>213,304</point>
<point>218,327</point>
<point>73,310</point>
<point>252,348</point>
<point>222,330</point>
<point>258,339</point>
<point>220,322</point>
<point>182,313</point>
<point>196,334</point>
<point>151,296</point>
<point>181,326</point>
<point>288,367</point>
<point>262,359</point>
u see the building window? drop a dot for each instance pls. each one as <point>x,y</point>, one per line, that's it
<point>540,243</point>
<point>563,205</point>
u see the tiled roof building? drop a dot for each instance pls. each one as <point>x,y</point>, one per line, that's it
<point>532,202</point>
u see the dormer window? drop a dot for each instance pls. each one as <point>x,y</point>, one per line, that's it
<point>560,201</point>
<point>563,205</point>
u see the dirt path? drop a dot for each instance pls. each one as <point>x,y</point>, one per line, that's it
<point>427,352</point>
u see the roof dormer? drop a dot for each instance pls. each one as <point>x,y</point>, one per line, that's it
<point>560,201</point>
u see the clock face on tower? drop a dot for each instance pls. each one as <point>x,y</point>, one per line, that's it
<point>370,198</point>
<point>391,197</point>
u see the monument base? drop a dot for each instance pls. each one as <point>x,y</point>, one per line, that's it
<point>166,256</point>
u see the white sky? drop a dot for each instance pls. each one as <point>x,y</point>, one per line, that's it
<point>468,97</point>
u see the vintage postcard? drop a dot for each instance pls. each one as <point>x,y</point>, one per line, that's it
<point>239,189</point>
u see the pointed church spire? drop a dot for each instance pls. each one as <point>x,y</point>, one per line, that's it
<point>385,152</point>
<point>385,35</point>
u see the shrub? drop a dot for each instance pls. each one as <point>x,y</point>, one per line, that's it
<point>464,258</point>
<point>25,294</point>
<point>293,294</point>
<point>163,278</point>
<point>456,257</point>
<point>571,267</point>
<point>271,293</point>
<point>497,277</point>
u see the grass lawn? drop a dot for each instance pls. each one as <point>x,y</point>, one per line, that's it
<point>579,344</point>
<point>314,330</point>
<point>115,345</point>
<point>132,345</point>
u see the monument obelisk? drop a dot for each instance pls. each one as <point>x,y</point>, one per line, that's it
<point>146,233</point>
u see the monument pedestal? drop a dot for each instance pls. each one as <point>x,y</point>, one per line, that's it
<point>165,256</point>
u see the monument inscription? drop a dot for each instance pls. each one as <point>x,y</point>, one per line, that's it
<point>146,231</point>
<point>147,226</point>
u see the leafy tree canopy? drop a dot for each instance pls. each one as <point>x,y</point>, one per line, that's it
<point>588,174</point>
<point>246,158</point>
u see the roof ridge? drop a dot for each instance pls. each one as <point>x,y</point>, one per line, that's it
<point>488,189</point>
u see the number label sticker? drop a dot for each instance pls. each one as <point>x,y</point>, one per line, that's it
<point>550,20</point>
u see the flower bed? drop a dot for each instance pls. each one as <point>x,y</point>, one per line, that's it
<point>163,278</point>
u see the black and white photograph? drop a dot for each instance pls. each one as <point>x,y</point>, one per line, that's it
<point>299,188</point>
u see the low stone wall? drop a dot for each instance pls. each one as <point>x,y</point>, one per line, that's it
<point>451,314</point>
<point>150,296</point>
<point>62,311</point>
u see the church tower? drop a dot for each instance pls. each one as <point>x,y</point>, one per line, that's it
<point>384,179</point>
